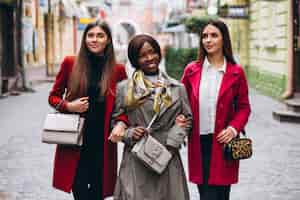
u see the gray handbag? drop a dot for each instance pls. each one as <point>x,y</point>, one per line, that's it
<point>64,129</point>
<point>152,153</point>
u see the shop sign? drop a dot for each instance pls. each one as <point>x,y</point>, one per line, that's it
<point>83,22</point>
<point>234,11</point>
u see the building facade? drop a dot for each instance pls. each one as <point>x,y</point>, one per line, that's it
<point>46,42</point>
<point>266,43</point>
<point>269,45</point>
<point>9,52</point>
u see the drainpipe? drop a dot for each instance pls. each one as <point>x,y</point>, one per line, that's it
<point>49,32</point>
<point>289,91</point>
<point>20,45</point>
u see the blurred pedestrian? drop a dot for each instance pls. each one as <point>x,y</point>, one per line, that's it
<point>215,86</point>
<point>140,99</point>
<point>88,82</point>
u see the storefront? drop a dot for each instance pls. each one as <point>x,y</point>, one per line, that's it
<point>1,50</point>
<point>296,44</point>
<point>7,43</point>
<point>292,95</point>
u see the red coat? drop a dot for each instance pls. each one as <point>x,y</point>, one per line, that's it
<point>66,158</point>
<point>233,84</point>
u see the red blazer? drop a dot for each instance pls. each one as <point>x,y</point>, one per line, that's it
<point>66,158</point>
<point>234,84</point>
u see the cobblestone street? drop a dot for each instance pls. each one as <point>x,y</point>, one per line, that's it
<point>273,173</point>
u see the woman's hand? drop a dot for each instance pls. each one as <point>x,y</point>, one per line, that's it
<point>225,136</point>
<point>80,105</point>
<point>139,132</point>
<point>117,133</point>
<point>182,121</point>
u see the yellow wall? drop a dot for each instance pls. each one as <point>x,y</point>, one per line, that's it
<point>40,53</point>
<point>262,41</point>
<point>239,32</point>
<point>63,36</point>
<point>268,37</point>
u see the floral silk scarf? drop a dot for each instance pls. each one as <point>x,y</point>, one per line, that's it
<point>139,89</point>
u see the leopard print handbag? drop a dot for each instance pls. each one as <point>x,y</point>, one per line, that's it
<point>238,148</point>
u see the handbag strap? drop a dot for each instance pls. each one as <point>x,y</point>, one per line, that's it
<point>235,105</point>
<point>152,121</point>
<point>244,132</point>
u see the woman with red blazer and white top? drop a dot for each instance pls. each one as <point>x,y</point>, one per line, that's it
<point>88,82</point>
<point>213,82</point>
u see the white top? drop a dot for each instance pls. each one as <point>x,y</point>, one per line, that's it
<point>210,83</point>
<point>152,78</point>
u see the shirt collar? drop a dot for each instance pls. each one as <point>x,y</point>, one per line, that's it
<point>206,65</point>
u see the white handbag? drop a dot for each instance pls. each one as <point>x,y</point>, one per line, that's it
<point>64,129</point>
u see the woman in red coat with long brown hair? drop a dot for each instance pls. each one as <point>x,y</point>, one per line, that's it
<point>218,94</point>
<point>88,82</point>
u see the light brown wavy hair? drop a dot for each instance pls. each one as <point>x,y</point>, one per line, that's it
<point>77,86</point>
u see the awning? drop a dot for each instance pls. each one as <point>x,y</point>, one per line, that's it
<point>69,8</point>
<point>174,29</point>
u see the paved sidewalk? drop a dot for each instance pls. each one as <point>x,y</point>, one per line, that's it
<point>26,164</point>
<point>37,74</point>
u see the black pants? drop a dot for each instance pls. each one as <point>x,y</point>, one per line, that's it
<point>87,184</point>
<point>210,192</point>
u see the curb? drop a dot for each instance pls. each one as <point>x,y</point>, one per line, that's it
<point>37,75</point>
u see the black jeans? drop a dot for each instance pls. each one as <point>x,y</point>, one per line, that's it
<point>214,192</point>
<point>210,192</point>
<point>87,184</point>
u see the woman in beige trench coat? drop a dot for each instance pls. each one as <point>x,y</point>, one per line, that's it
<point>137,101</point>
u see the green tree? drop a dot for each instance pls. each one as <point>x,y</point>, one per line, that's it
<point>195,24</point>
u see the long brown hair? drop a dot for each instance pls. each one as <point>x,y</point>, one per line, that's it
<point>227,49</point>
<point>79,77</point>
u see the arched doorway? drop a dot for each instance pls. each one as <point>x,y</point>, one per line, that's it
<point>123,32</point>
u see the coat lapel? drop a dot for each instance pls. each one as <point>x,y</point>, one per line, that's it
<point>194,76</point>
<point>230,76</point>
<point>172,84</point>
<point>109,100</point>
<point>164,109</point>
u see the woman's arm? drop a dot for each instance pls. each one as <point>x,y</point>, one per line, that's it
<point>55,98</point>
<point>178,133</point>
<point>59,88</point>
<point>241,112</point>
<point>122,131</point>
<point>243,109</point>
<point>121,75</point>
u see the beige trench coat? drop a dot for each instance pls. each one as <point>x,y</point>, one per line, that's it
<point>135,181</point>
